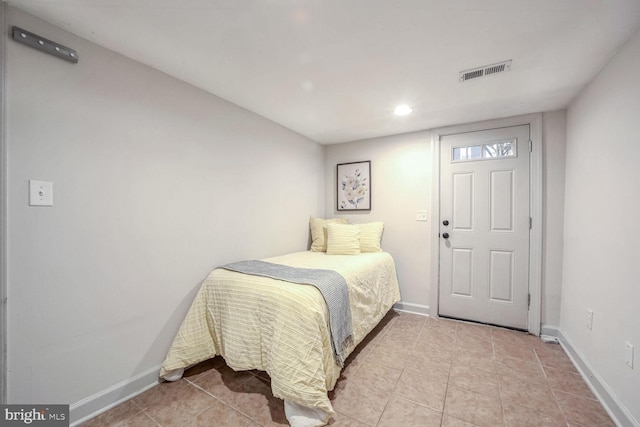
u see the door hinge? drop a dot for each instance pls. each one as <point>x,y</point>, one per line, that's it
<point>530,146</point>
<point>530,223</point>
<point>528,301</point>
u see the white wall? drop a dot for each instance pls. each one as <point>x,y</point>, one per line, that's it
<point>554,146</point>
<point>155,179</point>
<point>402,183</point>
<point>155,183</point>
<point>602,227</point>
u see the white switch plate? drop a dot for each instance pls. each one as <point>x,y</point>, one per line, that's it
<point>628,354</point>
<point>40,193</point>
<point>421,215</point>
<point>589,319</point>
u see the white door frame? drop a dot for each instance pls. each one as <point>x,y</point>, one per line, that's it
<point>535,208</point>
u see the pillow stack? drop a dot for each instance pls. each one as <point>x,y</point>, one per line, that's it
<point>336,237</point>
<point>319,232</point>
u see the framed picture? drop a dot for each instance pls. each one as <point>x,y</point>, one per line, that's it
<point>354,186</point>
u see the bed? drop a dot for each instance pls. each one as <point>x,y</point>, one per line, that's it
<point>283,328</point>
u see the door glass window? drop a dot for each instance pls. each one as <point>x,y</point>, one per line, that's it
<point>467,153</point>
<point>489,151</point>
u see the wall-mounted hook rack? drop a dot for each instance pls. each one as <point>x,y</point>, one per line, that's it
<point>40,43</point>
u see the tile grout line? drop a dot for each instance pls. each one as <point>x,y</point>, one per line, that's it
<point>394,386</point>
<point>143,411</point>
<point>553,392</point>
<point>446,390</point>
<point>152,419</point>
<point>398,380</point>
<point>375,344</point>
<point>403,369</point>
<point>494,372</point>
<point>219,400</point>
<point>495,362</point>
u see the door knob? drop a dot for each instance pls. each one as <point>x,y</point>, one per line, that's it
<point>445,222</point>
<point>445,235</point>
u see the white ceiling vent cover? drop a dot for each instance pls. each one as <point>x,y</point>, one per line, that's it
<point>474,73</point>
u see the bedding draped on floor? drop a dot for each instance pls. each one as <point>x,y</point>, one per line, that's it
<point>283,328</point>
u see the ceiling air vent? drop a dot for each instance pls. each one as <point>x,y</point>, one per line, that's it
<point>474,73</point>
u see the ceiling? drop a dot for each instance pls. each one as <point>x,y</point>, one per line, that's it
<point>334,70</point>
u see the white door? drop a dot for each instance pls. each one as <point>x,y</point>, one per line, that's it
<point>484,229</point>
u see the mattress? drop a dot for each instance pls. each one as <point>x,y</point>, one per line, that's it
<point>283,328</point>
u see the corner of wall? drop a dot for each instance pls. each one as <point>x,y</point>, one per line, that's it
<point>549,331</point>
<point>3,216</point>
<point>408,307</point>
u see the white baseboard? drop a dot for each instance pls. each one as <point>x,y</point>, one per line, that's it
<point>408,307</point>
<point>618,412</point>
<point>102,401</point>
<point>549,332</point>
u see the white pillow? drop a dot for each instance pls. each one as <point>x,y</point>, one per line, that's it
<point>370,236</point>
<point>318,228</point>
<point>343,239</point>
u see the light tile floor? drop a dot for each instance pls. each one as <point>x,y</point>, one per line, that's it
<point>410,371</point>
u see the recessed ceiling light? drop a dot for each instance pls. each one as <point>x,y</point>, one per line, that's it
<point>402,110</point>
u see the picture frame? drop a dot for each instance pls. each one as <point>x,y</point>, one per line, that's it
<point>353,191</point>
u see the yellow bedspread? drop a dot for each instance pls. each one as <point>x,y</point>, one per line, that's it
<point>282,328</point>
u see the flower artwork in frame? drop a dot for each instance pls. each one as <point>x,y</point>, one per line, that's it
<point>354,186</point>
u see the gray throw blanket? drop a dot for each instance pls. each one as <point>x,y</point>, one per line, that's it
<point>331,285</point>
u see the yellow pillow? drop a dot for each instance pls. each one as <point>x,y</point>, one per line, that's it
<point>318,228</point>
<point>370,236</point>
<point>343,239</point>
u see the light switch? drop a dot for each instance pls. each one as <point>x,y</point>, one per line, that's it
<point>421,215</point>
<point>40,193</point>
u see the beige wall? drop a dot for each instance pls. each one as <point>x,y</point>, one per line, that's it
<point>155,183</point>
